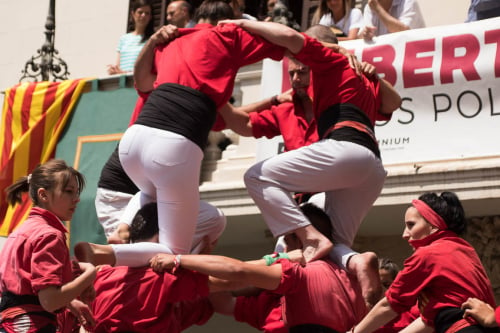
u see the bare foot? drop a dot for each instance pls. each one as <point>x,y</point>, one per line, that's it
<point>96,254</point>
<point>121,235</point>
<point>314,244</point>
<point>365,267</point>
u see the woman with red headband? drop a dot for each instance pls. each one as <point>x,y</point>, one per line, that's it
<point>443,272</point>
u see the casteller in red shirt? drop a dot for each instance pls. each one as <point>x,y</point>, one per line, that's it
<point>320,293</point>
<point>288,120</point>
<point>143,301</point>
<point>262,311</point>
<point>444,271</point>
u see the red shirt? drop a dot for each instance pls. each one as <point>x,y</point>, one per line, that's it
<point>207,58</point>
<point>336,82</point>
<point>287,119</point>
<point>444,271</point>
<point>320,293</point>
<point>264,312</point>
<point>397,324</point>
<point>143,97</point>
<point>141,300</point>
<point>35,256</point>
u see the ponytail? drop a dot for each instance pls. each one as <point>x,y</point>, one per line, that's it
<point>16,190</point>
<point>48,175</point>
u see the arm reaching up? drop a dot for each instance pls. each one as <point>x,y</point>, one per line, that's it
<point>391,100</point>
<point>143,76</point>
<point>276,33</point>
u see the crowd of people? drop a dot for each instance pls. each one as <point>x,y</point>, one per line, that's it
<point>156,273</point>
<point>374,18</point>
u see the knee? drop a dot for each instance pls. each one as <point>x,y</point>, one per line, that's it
<point>250,176</point>
<point>220,223</point>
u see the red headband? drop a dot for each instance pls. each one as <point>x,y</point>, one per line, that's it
<point>429,214</point>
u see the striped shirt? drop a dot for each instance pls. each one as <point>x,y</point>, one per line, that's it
<point>129,47</point>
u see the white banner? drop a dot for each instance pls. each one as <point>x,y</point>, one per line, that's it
<point>448,77</point>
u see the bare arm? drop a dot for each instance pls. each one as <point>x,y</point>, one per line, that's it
<point>143,76</point>
<point>115,69</point>
<point>276,33</point>
<point>236,120</point>
<point>266,277</point>
<point>392,23</point>
<point>266,103</point>
<point>391,100</point>
<point>417,326</point>
<point>83,313</point>
<point>378,316</point>
<point>54,298</point>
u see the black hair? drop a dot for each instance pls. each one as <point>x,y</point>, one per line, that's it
<point>389,265</point>
<point>318,218</point>
<point>145,223</point>
<point>448,206</point>
<point>214,11</point>
<point>49,176</point>
<point>148,32</point>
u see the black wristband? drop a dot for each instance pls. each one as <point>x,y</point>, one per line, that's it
<point>274,100</point>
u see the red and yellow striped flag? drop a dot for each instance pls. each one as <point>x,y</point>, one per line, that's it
<point>33,117</point>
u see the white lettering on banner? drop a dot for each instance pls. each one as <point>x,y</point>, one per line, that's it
<point>449,79</point>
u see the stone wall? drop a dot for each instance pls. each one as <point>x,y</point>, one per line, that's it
<point>484,234</point>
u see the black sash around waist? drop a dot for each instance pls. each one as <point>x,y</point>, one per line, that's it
<point>346,112</point>
<point>179,109</point>
<point>10,300</point>
<point>450,320</point>
<point>311,328</point>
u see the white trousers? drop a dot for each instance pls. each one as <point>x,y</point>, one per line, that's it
<point>165,167</point>
<point>109,206</point>
<point>351,176</point>
<point>211,222</point>
<point>113,207</point>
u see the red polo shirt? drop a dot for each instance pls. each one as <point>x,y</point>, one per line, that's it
<point>336,82</point>
<point>320,293</point>
<point>444,271</point>
<point>287,119</point>
<point>35,256</point>
<point>403,320</point>
<point>264,312</point>
<point>207,58</point>
<point>141,300</point>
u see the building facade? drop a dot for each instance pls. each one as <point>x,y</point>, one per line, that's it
<point>86,37</point>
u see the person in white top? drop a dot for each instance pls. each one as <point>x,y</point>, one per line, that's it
<point>387,16</point>
<point>341,15</point>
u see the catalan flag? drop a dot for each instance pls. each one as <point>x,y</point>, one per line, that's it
<point>33,117</point>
